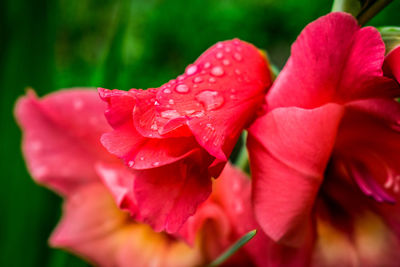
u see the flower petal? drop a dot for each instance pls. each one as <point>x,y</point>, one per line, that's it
<point>119,180</point>
<point>168,195</point>
<point>332,60</point>
<point>91,225</point>
<point>392,64</point>
<point>289,150</point>
<point>61,137</point>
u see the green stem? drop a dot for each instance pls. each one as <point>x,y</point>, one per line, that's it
<point>368,13</point>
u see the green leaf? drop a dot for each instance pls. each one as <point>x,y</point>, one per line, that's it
<point>235,247</point>
<point>391,37</point>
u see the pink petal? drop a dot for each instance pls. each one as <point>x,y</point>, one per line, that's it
<point>91,225</point>
<point>217,85</point>
<point>120,106</point>
<point>139,152</point>
<point>168,195</point>
<point>289,150</point>
<point>61,135</point>
<point>392,64</point>
<point>332,60</point>
<point>385,109</point>
<point>119,180</point>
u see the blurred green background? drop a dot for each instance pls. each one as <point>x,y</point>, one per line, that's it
<point>52,44</point>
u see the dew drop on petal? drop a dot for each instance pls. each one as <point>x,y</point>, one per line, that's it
<point>78,104</point>
<point>238,57</point>
<point>198,80</point>
<point>212,80</point>
<point>182,88</point>
<point>36,145</point>
<point>210,100</point>
<point>238,207</point>
<point>237,71</point>
<point>219,55</point>
<point>40,171</point>
<point>191,69</point>
<point>217,71</point>
<point>226,62</point>
<point>207,65</point>
<point>167,91</point>
<point>171,101</point>
<point>170,114</point>
<point>131,163</point>
<point>227,49</point>
<point>220,45</point>
<point>154,126</point>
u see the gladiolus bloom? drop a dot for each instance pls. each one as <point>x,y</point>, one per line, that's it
<point>180,135</point>
<point>61,145</point>
<point>325,156</point>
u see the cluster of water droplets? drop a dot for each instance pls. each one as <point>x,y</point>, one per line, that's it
<point>197,82</point>
<point>393,182</point>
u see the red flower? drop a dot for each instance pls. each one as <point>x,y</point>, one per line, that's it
<point>61,145</point>
<point>325,157</point>
<point>180,135</point>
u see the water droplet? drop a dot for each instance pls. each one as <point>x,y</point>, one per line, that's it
<point>36,145</point>
<point>212,80</point>
<point>191,69</point>
<point>181,77</point>
<point>182,88</point>
<point>226,62</point>
<point>154,126</point>
<point>156,103</point>
<point>78,104</point>
<point>170,114</point>
<point>217,71</point>
<point>167,91</point>
<point>207,65</point>
<point>236,42</point>
<point>220,45</point>
<point>237,71</point>
<point>211,100</point>
<point>227,49</point>
<point>238,57</point>
<point>198,80</point>
<point>171,101</point>
<point>40,171</point>
<point>156,163</point>
<point>131,163</point>
<point>219,55</point>
<point>236,186</point>
<point>238,207</point>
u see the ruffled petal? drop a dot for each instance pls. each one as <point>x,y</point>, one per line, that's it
<point>391,65</point>
<point>230,79</point>
<point>91,225</point>
<point>332,60</point>
<point>61,135</point>
<point>119,180</point>
<point>139,152</point>
<point>289,150</point>
<point>168,195</point>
